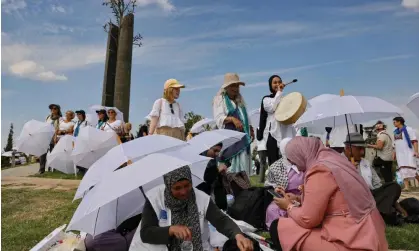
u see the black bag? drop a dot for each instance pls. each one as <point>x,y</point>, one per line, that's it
<point>250,206</point>
<point>411,205</point>
<point>129,224</point>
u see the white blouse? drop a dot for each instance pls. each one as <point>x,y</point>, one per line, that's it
<point>163,111</point>
<point>65,126</point>
<point>219,109</point>
<point>404,154</point>
<point>115,126</point>
<point>278,131</point>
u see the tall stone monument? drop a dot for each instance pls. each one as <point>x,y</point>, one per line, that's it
<point>123,65</point>
<point>110,66</point>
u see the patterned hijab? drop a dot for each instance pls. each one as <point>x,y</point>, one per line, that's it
<point>308,153</point>
<point>278,171</point>
<point>184,212</point>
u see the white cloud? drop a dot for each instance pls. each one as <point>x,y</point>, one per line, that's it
<point>30,69</point>
<point>58,9</point>
<point>390,58</point>
<point>369,8</point>
<point>166,5</point>
<point>411,4</point>
<point>9,6</point>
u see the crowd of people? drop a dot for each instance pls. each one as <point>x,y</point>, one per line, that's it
<point>322,199</point>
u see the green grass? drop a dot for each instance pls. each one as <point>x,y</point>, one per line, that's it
<point>29,215</point>
<point>58,175</point>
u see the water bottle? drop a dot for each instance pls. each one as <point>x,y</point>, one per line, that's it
<point>186,246</point>
<point>230,200</point>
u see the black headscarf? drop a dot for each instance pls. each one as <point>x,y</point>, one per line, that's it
<point>263,114</point>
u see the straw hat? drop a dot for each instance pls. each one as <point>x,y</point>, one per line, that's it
<point>172,83</point>
<point>231,78</point>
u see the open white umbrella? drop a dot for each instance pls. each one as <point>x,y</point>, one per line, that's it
<point>202,125</point>
<point>340,111</point>
<point>208,139</point>
<point>60,157</point>
<point>119,114</point>
<point>129,151</point>
<point>413,104</point>
<point>118,196</point>
<point>91,144</point>
<point>35,138</point>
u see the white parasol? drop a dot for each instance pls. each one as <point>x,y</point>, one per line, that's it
<point>119,114</point>
<point>35,137</point>
<point>202,125</point>
<point>60,157</point>
<point>413,104</point>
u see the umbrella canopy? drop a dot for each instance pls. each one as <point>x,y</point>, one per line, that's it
<point>413,104</point>
<point>331,112</point>
<point>119,114</point>
<point>99,210</point>
<point>202,125</point>
<point>118,155</point>
<point>35,138</point>
<point>91,144</point>
<point>208,139</point>
<point>60,157</point>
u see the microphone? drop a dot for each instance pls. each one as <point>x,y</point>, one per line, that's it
<point>293,81</point>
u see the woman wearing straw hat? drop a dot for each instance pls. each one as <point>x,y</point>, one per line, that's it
<point>166,115</point>
<point>230,112</point>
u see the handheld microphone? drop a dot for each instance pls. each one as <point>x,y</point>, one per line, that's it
<point>293,81</point>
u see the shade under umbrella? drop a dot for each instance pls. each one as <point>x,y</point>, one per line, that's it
<point>91,144</point>
<point>35,138</point>
<point>339,111</point>
<point>413,104</point>
<point>119,114</point>
<point>60,157</point>
<point>208,139</point>
<point>99,210</point>
<point>203,125</point>
<point>129,151</point>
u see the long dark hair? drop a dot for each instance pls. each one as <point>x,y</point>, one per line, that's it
<point>143,129</point>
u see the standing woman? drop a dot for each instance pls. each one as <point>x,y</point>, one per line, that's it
<point>166,115</point>
<point>268,122</point>
<point>127,135</point>
<point>102,119</point>
<point>54,119</point>
<point>113,124</point>
<point>81,122</point>
<point>229,110</point>
<point>66,126</point>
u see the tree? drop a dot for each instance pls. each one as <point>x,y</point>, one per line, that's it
<point>9,145</point>
<point>191,119</point>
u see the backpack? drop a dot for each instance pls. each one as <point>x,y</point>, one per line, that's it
<point>250,206</point>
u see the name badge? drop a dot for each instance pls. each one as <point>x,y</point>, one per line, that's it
<point>163,215</point>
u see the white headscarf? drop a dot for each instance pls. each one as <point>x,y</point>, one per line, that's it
<point>282,146</point>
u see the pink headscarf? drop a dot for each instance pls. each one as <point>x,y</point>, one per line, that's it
<point>307,153</point>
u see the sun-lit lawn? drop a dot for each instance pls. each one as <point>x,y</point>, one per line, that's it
<point>58,175</point>
<point>28,215</point>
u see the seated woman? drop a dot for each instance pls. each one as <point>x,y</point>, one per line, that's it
<point>285,176</point>
<point>176,213</point>
<point>337,209</point>
<point>385,195</point>
<point>213,178</point>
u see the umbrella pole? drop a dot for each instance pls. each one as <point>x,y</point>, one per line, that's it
<point>349,138</point>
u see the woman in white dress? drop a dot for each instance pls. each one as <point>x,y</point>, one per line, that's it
<point>406,150</point>
<point>167,116</point>
<point>229,110</point>
<point>66,126</point>
<point>113,124</point>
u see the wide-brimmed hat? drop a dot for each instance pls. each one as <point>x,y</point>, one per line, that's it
<point>230,79</point>
<point>356,139</point>
<point>54,105</point>
<point>172,83</point>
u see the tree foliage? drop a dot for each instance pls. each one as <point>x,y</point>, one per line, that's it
<point>119,9</point>
<point>9,145</point>
<point>191,118</point>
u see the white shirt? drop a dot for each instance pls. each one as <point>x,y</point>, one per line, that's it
<point>163,111</point>
<point>278,131</point>
<point>404,154</point>
<point>49,120</point>
<point>65,126</point>
<point>261,144</point>
<point>115,126</point>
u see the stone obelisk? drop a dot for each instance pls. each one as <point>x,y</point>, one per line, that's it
<point>110,66</point>
<point>123,65</point>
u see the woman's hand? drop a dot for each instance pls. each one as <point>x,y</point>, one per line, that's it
<point>222,168</point>
<point>180,232</point>
<point>243,243</point>
<point>282,203</point>
<point>237,123</point>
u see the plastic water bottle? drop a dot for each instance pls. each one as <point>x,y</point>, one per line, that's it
<point>230,200</point>
<point>186,246</point>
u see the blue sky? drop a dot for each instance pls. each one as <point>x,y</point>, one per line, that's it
<point>53,51</point>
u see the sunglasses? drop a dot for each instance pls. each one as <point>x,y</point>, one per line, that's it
<point>171,109</point>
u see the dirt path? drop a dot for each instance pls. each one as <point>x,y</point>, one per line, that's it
<point>38,183</point>
<point>21,171</point>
